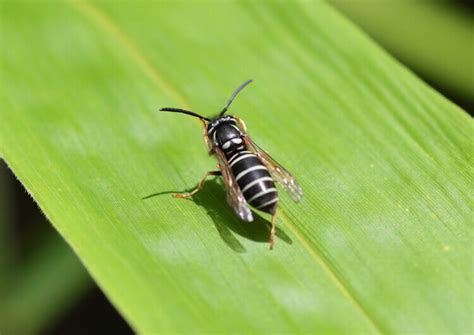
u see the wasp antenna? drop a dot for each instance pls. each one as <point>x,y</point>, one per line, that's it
<point>183,111</point>
<point>232,97</point>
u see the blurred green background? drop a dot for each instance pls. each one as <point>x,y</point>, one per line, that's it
<point>433,38</point>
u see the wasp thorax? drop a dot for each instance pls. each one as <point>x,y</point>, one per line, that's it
<point>225,133</point>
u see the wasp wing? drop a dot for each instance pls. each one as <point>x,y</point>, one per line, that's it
<point>235,198</point>
<point>278,172</point>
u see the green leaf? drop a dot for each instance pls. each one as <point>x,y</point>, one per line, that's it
<point>7,247</point>
<point>434,37</point>
<point>43,288</point>
<point>380,242</point>
<point>40,283</point>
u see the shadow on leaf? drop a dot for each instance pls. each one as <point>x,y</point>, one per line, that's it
<point>213,199</point>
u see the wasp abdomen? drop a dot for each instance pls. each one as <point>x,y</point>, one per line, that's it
<point>254,180</point>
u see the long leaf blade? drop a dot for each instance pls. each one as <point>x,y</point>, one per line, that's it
<point>377,245</point>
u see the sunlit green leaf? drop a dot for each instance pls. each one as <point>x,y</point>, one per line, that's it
<point>434,37</point>
<point>380,242</point>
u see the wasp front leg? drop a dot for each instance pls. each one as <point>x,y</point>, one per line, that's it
<point>242,124</point>
<point>209,145</point>
<point>199,185</point>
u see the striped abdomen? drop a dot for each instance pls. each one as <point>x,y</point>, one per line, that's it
<point>254,180</point>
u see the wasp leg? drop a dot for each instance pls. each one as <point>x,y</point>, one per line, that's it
<point>210,151</point>
<point>272,231</point>
<point>199,185</point>
<point>242,124</point>
<point>206,140</point>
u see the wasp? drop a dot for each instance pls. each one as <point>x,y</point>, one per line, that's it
<point>249,173</point>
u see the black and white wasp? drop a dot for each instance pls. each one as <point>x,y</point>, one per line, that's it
<point>249,173</point>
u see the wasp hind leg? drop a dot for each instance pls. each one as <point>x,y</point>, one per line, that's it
<point>272,230</point>
<point>198,187</point>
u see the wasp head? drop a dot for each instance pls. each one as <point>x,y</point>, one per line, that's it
<point>224,132</point>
